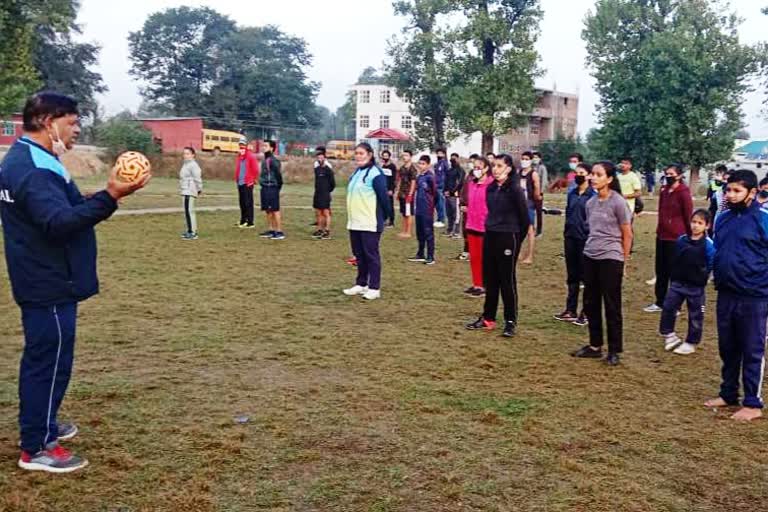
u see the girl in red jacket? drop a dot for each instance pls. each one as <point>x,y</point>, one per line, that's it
<point>246,174</point>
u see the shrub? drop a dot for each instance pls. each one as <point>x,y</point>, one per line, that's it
<point>119,135</point>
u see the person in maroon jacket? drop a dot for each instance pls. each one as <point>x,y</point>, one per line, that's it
<point>675,211</point>
<point>246,174</point>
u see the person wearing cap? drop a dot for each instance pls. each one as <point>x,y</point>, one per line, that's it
<point>246,174</point>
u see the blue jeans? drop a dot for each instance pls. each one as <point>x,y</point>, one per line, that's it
<point>46,367</point>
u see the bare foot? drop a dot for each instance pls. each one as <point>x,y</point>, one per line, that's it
<point>747,414</point>
<point>527,261</point>
<point>715,402</point>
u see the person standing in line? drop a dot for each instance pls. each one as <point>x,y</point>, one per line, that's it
<point>629,181</point>
<point>573,162</point>
<point>674,221</point>
<point>441,169</point>
<point>543,173</point>
<point>473,158</point>
<point>505,228</point>
<point>406,189</point>
<point>426,195</point>
<point>246,174</point>
<point>741,280</point>
<point>762,193</point>
<point>476,209</point>
<point>454,179</point>
<point>390,171</point>
<point>271,182</point>
<point>718,202</point>
<point>530,182</point>
<point>605,253</point>
<point>190,188</point>
<point>325,183</point>
<point>691,268</point>
<point>50,250</point>
<point>367,208</point>
<point>575,237</point>
<point>650,180</point>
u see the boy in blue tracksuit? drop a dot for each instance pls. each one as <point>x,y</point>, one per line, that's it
<point>691,266</point>
<point>426,196</point>
<point>741,278</point>
<point>50,250</point>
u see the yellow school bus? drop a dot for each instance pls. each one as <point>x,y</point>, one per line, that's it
<point>340,149</point>
<point>220,141</point>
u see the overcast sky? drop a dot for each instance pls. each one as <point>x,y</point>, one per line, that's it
<point>345,36</point>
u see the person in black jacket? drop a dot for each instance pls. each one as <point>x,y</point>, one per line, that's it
<point>454,180</point>
<point>50,249</point>
<point>506,227</point>
<point>325,183</point>
<point>390,171</point>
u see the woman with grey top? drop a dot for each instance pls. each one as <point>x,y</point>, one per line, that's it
<point>190,187</point>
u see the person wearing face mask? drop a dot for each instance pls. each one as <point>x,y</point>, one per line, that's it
<point>271,182</point>
<point>454,180</point>
<point>441,169</point>
<point>573,162</point>
<point>543,173</point>
<point>575,237</point>
<point>246,174</point>
<point>762,194</point>
<point>675,210</point>
<point>476,213</point>
<point>190,187</point>
<point>530,182</point>
<point>50,250</point>
<point>506,225</point>
<point>717,202</point>
<point>390,171</point>
<point>741,280</point>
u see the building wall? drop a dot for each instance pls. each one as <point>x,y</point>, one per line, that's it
<point>176,134</point>
<point>10,129</point>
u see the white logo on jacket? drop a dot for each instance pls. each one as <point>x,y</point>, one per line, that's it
<point>5,196</point>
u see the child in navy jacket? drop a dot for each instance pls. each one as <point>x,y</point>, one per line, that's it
<point>691,266</point>
<point>741,278</point>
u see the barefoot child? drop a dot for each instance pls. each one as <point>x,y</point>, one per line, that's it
<point>741,279</point>
<point>691,266</point>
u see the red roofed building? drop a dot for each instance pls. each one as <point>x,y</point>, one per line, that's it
<point>10,129</point>
<point>387,138</point>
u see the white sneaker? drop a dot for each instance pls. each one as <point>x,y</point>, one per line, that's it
<point>372,294</point>
<point>651,282</point>
<point>671,341</point>
<point>685,349</point>
<point>439,224</point>
<point>652,308</point>
<point>356,290</point>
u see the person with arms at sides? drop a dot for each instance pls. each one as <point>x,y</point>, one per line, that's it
<point>454,180</point>
<point>390,171</point>
<point>190,188</point>
<point>674,221</point>
<point>575,236</point>
<point>629,181</point>
<point>476,213</point>
<point>691,267</point>
<point>464,254</point>
<point>762,193</point>
<point>505,228</point>
<point>573,162</point>
<point>246,174</point>
<point>50,250</point>
<point>325,183</point>
<point>718,202</point>
<point>441,170</point>
<point>531,185</point>
<point>271,181</point>
<point>367,207</point>
<point>605,253</point>
<point>541,170</point>
<point>426,195</point>
<point>650,180</point>
<point>741,280</point>
<point>406,189</point>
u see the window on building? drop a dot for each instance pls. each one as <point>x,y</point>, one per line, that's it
<point>407,123</point>
<point>384,122</point>
<point>365,121</point>
<point>384,96</point>
<point>365,96</point>
<point>535,125</point>
<point>565,101</point>
<point>8,129</point>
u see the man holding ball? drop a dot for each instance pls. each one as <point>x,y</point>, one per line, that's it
<point>50,249</point>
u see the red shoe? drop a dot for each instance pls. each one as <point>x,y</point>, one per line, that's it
<point>481,323</point>
<point>352,261</point>
<point>54,459</point>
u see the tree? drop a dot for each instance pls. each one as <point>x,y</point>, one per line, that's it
<point>345,118</point>
<point>370,76</point>
<point>18,20</point>
<point>416,72</point>
<point>176,55</point>
<point>493,66</point>
<point>743,135</point>
<point>123,133</point>
<point>671,77</point>
<point>555,152</point>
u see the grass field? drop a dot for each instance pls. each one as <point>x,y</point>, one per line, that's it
<point>388,406</point>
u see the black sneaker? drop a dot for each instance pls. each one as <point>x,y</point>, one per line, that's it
<point>478,293</point>
<point>318,234</point>
<point>267,234</point>
<point>588,352</point>
<point>581,321</point>
<point>481,323</point>
<point>277,235</point>
<point>429,261</point>
<point>509,329</point>
<point>612,359</point>
<point>417,259</point>
<point>566,316</point>
<point>470,290</point>
<point>326,235</point>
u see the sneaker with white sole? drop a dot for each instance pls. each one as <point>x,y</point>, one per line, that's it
<point>356,290</point>
<point>372,295</point>
<point>67,431</point>
<point>671,341</point>
<point>438,224</point>
<point>652,308</point>
<point>651,282</point>
<point>53,459</point>
<point>685,349</point>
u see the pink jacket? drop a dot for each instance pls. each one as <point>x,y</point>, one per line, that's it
<point>477,208</point>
